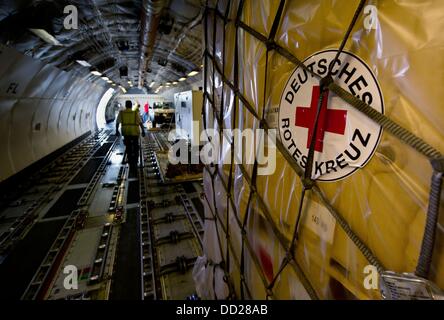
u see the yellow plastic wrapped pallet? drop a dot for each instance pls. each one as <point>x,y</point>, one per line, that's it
<point>372,189</point>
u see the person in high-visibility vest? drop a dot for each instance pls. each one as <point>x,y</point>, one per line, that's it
<point>131,127</point>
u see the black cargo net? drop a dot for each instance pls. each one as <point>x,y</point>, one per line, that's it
<point>217,17</point>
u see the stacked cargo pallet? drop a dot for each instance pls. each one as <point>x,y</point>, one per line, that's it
<point>296,233</point>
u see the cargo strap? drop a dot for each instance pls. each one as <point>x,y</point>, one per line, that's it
<point>387,124</point>
<point>216,217</point>
<point>245,245</point>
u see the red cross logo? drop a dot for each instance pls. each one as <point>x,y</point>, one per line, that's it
<point>329,120</point>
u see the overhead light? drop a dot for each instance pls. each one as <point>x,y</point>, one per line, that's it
<point>201,66</point>
<point>193,73</point>
<point>182,79</point>
<point>129,82</point>
<point>168,83</point>
<point>123,89</point>
<point>157,91</point>
<point>105,78</point>
<point>160,87</point>
<point>83,63</point>
<point>96,73</point>
<point>45,36</point>
<point>113,84</point>
<point>109,81</point>
<point>152,84</point>
<point>175,82</point>
<point>167,86</point>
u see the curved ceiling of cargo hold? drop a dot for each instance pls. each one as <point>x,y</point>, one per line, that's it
<point>50,85</point>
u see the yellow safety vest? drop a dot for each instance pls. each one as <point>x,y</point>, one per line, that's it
<point>129,123</point>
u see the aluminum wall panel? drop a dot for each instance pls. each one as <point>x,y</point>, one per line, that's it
<point>42,108</point>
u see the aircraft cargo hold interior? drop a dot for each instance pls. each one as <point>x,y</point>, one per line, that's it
<point>221,150</point>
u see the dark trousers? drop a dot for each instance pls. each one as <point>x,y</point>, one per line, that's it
<point>131,149</point>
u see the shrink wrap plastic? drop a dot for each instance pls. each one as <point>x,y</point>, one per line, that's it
<point>384,201</point>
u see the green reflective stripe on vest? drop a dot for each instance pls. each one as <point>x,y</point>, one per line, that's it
<point>129,123</point>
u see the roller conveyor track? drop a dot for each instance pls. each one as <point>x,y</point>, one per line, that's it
<point>165,273</point>
<point>141,245</point>
<point>176,243</point>
<point>54,178</point>
<point>37,285</point>
<point>38,246</point>
<point>40,282</point>
<point>17,270</point>
<point>147,251</point>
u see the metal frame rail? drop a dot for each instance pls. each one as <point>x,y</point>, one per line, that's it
<point>154,199</point>
<point>98,265</point>
<point>117,200</point>
<point>23,223</point>
<point>146,245</point>
<point>117,191</point>
<point>39,281</point>
<point>148,252</point>
<point>95,179</point>
<point>38,285</point>
<point>192,214</point>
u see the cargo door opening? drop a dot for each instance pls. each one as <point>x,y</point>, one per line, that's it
<point>101,108</point>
